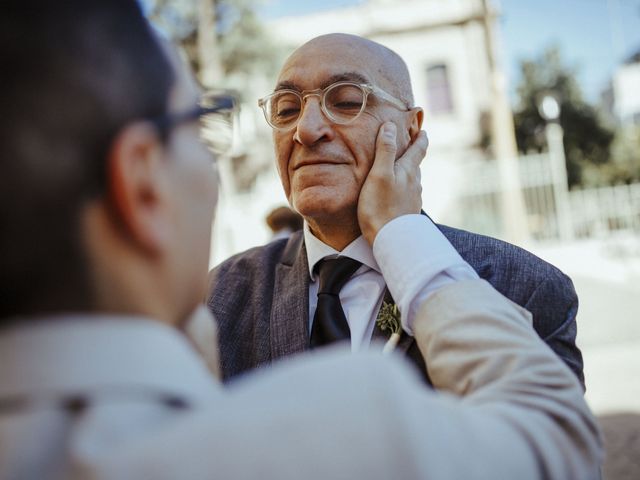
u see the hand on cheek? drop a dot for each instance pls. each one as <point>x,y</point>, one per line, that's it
<point>392,188</point>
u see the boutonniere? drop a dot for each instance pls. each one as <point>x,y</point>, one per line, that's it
<point>389,319</point>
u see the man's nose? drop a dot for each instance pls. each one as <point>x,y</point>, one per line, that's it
<point>313,125</point>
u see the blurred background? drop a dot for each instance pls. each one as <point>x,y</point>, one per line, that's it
<point>533,115</point>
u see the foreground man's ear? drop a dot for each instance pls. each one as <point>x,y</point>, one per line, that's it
<point>138,187</point>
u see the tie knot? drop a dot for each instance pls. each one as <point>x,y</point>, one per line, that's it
<point>334,273</point>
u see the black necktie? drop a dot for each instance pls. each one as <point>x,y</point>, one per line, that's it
<point>329,323</point>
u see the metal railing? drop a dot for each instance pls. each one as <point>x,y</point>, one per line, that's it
<point>592,212</point>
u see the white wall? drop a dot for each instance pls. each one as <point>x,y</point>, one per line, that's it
<point>626,91</point>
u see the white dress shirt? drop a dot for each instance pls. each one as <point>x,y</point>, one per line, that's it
<point>409,252</point>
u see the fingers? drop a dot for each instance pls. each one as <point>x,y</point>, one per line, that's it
<point>385,150</point>
<point>416,152</point>
<point>392,188</point>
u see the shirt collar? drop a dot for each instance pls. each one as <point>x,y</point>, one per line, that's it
<point>90,353</point>
<point>317,250</point>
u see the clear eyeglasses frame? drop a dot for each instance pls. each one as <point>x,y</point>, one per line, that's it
<point>215,112</point>
<point>341,102</point>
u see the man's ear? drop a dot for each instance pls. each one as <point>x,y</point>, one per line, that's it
<point>415,125</point>
<point>137,186</point>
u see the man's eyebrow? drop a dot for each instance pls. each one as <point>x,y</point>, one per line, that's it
<point>341,77</point>
<point>285,85</point>
<point>345,77</point>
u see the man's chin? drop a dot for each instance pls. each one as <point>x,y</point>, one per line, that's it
<point>325,212</point>
<point>324,202</point>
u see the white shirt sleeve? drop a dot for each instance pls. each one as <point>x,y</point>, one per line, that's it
<point>416,260</point>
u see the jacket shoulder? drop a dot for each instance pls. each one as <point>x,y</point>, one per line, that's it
<point>243,271</point>
<point>497,260</point>
<point>519,275</point>
<point>250,260</point>
<point>530,282</point>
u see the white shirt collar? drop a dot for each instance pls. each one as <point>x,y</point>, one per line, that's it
<point>317,250</point>
<point>77,352</point>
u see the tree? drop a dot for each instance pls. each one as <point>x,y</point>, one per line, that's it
<point>239,44</point>
<point>587,140</point>
<point>625,152</point>
<point>227,47</point>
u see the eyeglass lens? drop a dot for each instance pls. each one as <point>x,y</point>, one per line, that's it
<point>341,103</point>
<point>216,128</point>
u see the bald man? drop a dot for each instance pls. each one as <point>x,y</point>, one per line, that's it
<point>333,98</point>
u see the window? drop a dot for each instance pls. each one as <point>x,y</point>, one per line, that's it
<point>439,90</point>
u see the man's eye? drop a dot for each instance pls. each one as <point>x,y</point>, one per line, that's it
<point>286,106</point>
<point>347,105</point>
<point>287,112</point>
<point>345,98</point>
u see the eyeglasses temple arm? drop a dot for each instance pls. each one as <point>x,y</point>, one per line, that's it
<point>389,98</point>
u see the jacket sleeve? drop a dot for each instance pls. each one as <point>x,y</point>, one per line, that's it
<point>554,303</point>
<point>507,408</point>
<point>514,391</point>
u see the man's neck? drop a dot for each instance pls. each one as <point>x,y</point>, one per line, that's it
<point>336,235</point>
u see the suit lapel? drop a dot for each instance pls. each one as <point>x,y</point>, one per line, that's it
<point>289,319</point>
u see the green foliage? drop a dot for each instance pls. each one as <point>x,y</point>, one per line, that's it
<point>177,18</point>
<point>243,43</point>
<point>587,141</point>
<point>624,166</point>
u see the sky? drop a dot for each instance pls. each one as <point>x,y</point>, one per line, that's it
<point>594,36</point>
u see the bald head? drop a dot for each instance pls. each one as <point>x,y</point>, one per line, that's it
<point>384,66</point>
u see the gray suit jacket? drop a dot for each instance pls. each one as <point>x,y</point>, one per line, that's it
<point>260,300</point>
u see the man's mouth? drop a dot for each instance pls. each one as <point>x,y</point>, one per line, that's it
<point>316,162</point>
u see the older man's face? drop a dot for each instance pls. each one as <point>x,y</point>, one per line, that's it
<point>322,165</point>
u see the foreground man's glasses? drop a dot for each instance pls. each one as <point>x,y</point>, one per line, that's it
<point>341,102</point>
<point>215,111</point>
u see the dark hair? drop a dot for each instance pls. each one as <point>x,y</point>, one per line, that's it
<point>283,217</point>
<point>74,73</point>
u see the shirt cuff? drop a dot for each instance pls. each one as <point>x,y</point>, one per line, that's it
<point>416,260</point>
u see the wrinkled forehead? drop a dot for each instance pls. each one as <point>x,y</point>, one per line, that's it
<point>322,62</point>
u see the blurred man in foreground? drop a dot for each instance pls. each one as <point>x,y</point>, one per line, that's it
<point>106,199</point>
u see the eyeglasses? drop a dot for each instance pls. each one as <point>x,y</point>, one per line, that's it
<point>215,112</point>
<point>341,102</point>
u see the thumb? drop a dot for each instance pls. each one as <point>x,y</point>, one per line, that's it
<point>386,147</point>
